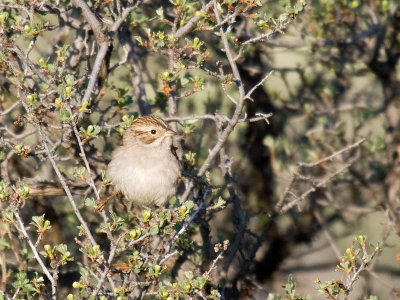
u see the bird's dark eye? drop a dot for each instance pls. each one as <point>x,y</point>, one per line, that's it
<point>153,131</point>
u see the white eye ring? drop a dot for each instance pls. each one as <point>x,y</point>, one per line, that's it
<point>153,132</point>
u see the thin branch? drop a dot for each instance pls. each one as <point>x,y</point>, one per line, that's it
<point>83,156</point>
<point>330,157</point>
<point>282,26</point>
<point>107,268</point>
<point>289,205</point>
<point>36,254</point>
<point>184,227</point>
<point>249,93</point>
<point>189,26</point>
<point>238,110</point>
<point>91,18</point>
<point>9,109</point>
<point>328,236</point>
<point>66,188</point>
<point>95,71</point>
<point>123,16</point>
<point>104,45</point>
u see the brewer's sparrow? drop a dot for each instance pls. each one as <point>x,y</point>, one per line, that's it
<point>144,168</point>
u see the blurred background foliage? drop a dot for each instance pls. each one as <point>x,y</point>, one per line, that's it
<point>335,83</point>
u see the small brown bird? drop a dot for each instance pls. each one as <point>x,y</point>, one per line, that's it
<point>144,168</point>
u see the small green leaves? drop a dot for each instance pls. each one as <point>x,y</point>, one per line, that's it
<point>64,115</point>
<point>117,221</point>
<point>70,79</point>
<point>34,28</point>
<point>162,217</point>
<point>22,150</point>
<point>90,202</point>
<point>127,122</point>
<point>147,214</point>
<point>121,292</point>
<point>8,215</point>
<point>22,282</point>
<point>355,260</point>
<point>62,52</point>
<point>189,126</point>
<point>22,190</point>
<point>3,190</point>
<point>3,18</point>
<point>123,97</point>
<point>104,180</point>
<point>79,172</point>
<point>185,209</point>
<point>134,234</point>
<point>78,285</point>
<point>290,286</point>
<point>221,203</point>
<point>58,255</point>
<point>65,254</point>
<point>199,282</point>
<point>48,252</point>
<point>84,107</point>
<point>160,12</point>
<point>157,270</point>
<point>190,158</point>
<point>154,230</point>
<point>136,261</point>
<point>18,149</point>
<point>168,76</point>
<point>32,98</point>
<point>377,143</point>
<point>41,224</point>
<point>91,131</point>
<point>93,252</point>
<point>186,287</point>
<point>330,288</point>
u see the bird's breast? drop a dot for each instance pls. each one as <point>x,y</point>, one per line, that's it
<point>144,176</point>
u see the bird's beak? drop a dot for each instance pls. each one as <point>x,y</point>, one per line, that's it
<point>170,132</point>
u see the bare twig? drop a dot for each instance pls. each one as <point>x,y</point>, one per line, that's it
<point>107,267</point>
<point>297,199</point>
<point>330,157</point>
<point>249,93</point>
<point>328,236</point>
<point>9,109</point>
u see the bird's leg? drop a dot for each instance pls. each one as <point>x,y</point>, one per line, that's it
<point>103,202</point>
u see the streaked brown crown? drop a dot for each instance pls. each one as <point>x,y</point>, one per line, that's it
<point>146,129</point>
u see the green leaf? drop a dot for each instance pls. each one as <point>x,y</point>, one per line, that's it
<point>189,275</point>
<point>173,201</point>
<point>4,244</point>
<point>64,115</point>
<point>160,12</point>
<point>189,204</point>
<point>21,281</point>
<point>69,79</point>
<point>154,230</point>
<point>199,282</point>
<point>51,68</point>
<point>90,202</point>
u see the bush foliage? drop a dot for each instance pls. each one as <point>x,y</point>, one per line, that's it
<point>288,113</point>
